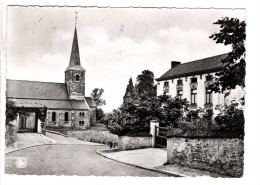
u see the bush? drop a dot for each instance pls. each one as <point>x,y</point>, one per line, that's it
<point>123,124</point>
<point>172,110</point>
<point>134,118</point>
<point>233,121</point>
<point>198,120</point>
<point>100,114</point>
<point>192,115</point>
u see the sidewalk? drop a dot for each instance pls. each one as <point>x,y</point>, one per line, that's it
<point>154,159</point>
<point>25,140</point>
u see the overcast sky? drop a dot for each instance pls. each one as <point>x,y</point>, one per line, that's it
<point>115,43</point>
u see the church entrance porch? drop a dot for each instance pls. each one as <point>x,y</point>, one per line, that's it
<point>27,117</point>
<point>27,123</point>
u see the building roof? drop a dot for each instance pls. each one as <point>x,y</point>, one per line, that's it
<point>90,102</point>
<point>50,104</point>
<point>39,94</point>
<point>206,65</point>
<point>74,56</point>
<point>36,90</point>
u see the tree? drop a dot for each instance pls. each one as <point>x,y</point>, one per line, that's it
<point>96,95</point>
<point>232,32</point>
<point>100,114</point>
<point>129,95</point>
<point>145,84</point>
<point>173,109</point>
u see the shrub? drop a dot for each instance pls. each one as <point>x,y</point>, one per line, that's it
<point>172,110</point>
<point>233,121</point>
<point>208,116</point>
<point>134,118</point>
<point>192,115</point>
<point>123,124</point>
<point>199,119</point>
<point>100,114</point>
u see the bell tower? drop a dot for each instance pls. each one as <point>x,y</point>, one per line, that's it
<point>75,73</point>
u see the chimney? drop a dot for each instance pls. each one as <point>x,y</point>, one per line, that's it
<point>174,64</point>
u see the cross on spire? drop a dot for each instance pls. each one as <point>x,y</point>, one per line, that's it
<point>76,18</point>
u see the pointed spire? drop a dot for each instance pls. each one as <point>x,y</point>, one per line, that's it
<point>74,56</point>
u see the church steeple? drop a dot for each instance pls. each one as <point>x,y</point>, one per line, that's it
<point>75,74</point>
<point>74,56</point>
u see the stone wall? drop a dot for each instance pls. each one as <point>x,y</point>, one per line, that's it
<point>104,137</point>
<point>73,121</point>
<point>129,143</point>
<point>223,155</point>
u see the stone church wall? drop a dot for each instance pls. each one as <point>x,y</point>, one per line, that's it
<point>74,118</point>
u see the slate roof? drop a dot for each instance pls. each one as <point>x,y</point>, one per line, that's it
<point>206,65</point>
<point>39,94</point>
<point>36,90</point>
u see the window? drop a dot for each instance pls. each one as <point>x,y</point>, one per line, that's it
<point>66,116</point>
<point>179,82</point>
<point>208,96</point>
<point>179,94</point>
<point>53,116</point>
<point>77,77</point>
<point>193,80</point>
<point>209,78</point>
<point>81,123</point>
<point>81,114</point>
<point>166,84</point>
<point>193,96</point>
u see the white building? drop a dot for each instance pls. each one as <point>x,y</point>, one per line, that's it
<point>191,81</point>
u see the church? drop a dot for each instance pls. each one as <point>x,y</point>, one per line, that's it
<point>66,103</point>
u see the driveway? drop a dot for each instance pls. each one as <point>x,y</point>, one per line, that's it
<point>69,159</point>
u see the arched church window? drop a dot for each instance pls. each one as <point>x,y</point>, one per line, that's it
<point>66,116</point>
<point>77,77</point>
<point>53,116</point>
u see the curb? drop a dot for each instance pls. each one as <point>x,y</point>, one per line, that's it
<point>142,167</point>
<point>54,132</point>
<point>58,133</point>
<point>47,145</point>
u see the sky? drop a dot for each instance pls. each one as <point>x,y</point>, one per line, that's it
<point>115,43</point>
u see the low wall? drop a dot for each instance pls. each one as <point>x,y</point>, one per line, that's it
<point>94,136</point>
<point>221,155</point>
<point>129,143</point>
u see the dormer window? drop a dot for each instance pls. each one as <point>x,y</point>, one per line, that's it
<point>77,77</point>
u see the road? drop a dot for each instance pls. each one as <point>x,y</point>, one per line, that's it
<point>69,159</point>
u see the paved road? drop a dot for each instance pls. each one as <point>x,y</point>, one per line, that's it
<point>69,160</point>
